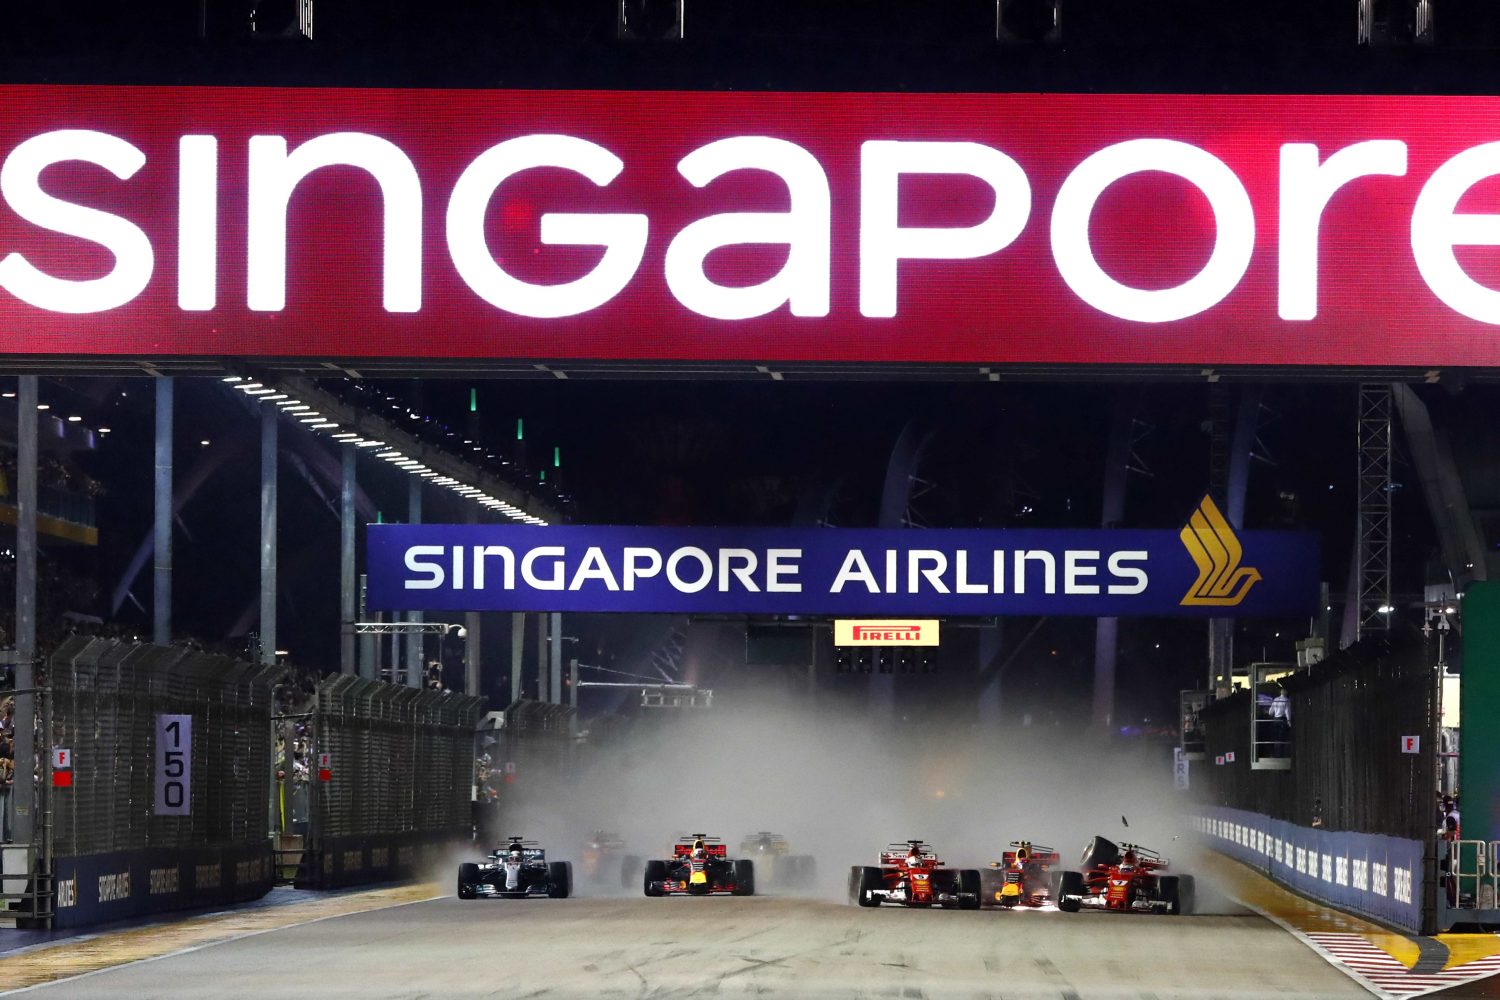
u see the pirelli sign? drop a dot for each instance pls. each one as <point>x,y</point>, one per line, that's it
<point>895,632</point>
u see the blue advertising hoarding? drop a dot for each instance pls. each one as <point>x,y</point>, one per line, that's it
<point>1366,873</point>
<point>1204,570</point>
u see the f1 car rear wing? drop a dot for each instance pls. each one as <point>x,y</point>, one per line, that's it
<point>1035,852</point>
<point>712,850</point>
<point>529,850</point>
<point>897,853</point>
<point>1146,857</point>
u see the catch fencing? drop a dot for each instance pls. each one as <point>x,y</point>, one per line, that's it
<point>1350,715</point>
<point>393,780</point>
<point>131,828</point>
<point>1350,777</point>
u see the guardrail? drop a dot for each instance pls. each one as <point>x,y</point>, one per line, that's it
<point>1468,883</point>
<point>1369,874</point>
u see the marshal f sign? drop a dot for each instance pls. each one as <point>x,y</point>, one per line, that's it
<point>715,226</point>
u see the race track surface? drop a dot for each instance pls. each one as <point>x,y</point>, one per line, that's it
<point>725,946</point>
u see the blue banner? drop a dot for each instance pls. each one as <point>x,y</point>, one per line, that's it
<point>1204,570</point>
<point>1365,873</point>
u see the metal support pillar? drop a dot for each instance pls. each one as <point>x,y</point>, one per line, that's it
<point>398,665</point>
<point>895,509</point>
<point>573,683</point>
<point>415,640</point>
<point>161,574</point>
<point>517,654</point>
<point>348,663</point>
<point>269,416</point>
<point>1116,472</point>
<point>554,658</point>
<point>368,661</point>
<point>1374,492</point>
<point>471,653</point>
<point>25,713</point>
<point>472,645</point>
<point>542,672</point>
<point>1230,451</point>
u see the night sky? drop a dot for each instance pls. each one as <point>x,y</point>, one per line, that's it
<point>771,453</point>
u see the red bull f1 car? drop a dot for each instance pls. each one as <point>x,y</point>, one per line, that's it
<point>1023,876</point>
<point>518,870</point>
<point>1126,878</point>
<point>700,866</point>
<point>912,875</point>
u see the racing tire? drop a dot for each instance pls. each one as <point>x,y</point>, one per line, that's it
<point>744,877</point>
<point>1186,894</point>
<point>468,877</point>
<point>1069,884</point>
<point>862,881</point>
<point>968,888</point>
<point>991,880</point>
<point>656,871</point>
<point>628,868</point>
<point>1099,853</point>
<point>1168,891</point>
<point>559,879</point>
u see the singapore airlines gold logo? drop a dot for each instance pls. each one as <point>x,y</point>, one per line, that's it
<point>1222,581</point>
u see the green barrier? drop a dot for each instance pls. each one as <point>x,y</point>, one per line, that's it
<point>1479,714</point>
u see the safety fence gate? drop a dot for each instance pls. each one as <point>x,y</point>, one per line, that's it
<point>152,769</point>
<point>391,780</point>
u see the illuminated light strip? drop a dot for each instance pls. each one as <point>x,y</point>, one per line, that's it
<point>324,425</point>
<point>231,378</point>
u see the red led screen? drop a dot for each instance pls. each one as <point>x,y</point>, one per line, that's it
<point>1212,230</point>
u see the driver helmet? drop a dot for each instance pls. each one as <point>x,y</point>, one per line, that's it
<point>1129,860</point>
<point>1023,853</point>
<point>698,849</point>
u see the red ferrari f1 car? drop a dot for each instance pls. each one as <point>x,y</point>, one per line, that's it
<point>1124,877</point>
<point>1022,877</point>
<point>700,866</point>
<point>911,874</point>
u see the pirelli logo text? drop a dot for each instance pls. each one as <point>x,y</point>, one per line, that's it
<point>896,632</point>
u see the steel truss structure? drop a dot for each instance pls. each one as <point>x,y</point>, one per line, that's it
<point>1375,411</point>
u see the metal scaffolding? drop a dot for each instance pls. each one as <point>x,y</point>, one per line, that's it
<point>1374,556</point>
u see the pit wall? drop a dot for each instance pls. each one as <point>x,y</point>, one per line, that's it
<point>1371,875</point>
